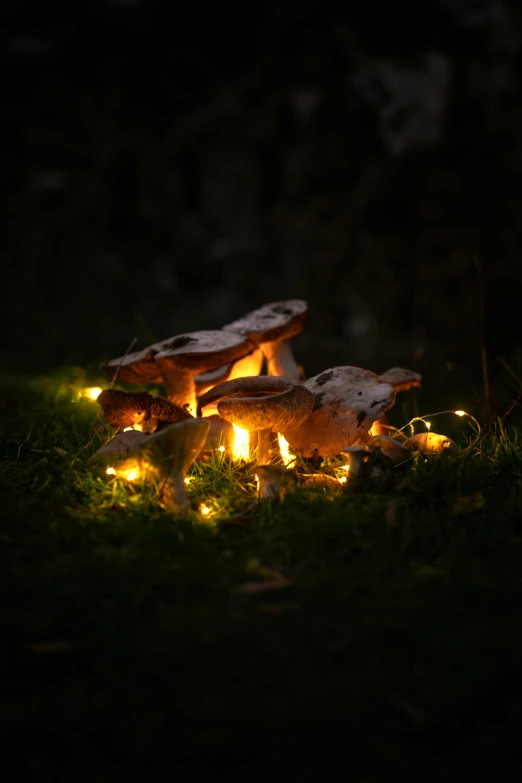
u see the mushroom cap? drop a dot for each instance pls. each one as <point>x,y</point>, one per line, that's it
<point>196,351</point>
<point>430,443</point>
<point>272,322</point>
<point>119,447</point>
<point>401,379</point>
<point>174,448</point>
<point>274,480</point>
<point>347,402</point>
<point>391,448</point>
<point>261,402</point>
<point>123,409</point>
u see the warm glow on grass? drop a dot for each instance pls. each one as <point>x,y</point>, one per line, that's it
<point>241,448</point>
<point>129,472</point>
<point>136,427</point>
<point>284,449</point>
<point>343,479</point>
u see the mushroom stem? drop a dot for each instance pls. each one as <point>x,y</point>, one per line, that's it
<point>181,388</point>
<point>174,494</point>
<point>280,359</point>
<point>263,446</point>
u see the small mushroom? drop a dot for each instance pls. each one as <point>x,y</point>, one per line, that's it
<point>270,328</point>
<point>347,402</point>
<point>176,362</point>
<point>397,452</point>
<point>401,380</point>
<point>168,454</point>
<point>274,481</point>
<point>140,410</point>
<point>429,443</point>
<point>118,447</point>
<point>261,404</point>
<point>368,464</point>
<point>358,457</point>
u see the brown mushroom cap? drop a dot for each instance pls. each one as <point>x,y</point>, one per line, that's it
<point>193,351</point>
<point>401,379</point>
<point>261,402</point>
<point>272,322</point>
<point>122,409</point>
<point>347,402</point>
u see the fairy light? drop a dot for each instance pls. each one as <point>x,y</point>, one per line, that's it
<point>92,393</point>
<point>461,413</point>
<point>284,450</point>
<point>241,449</point>
<point>221,448</point>
<point>111,471</point>
<point>204,509</point>
<point>343,479</point>
<point>428,425</point>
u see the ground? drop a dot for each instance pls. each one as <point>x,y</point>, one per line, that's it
<point>130,636</point>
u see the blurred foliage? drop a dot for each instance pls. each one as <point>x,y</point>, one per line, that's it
<point>170,166</point>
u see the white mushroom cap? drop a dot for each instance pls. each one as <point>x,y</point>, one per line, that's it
<point>397,452</point>
<point>347,402</point>
<point>430,443</point>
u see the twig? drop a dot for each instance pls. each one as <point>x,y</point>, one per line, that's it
<point>483,351</point>
<point>116,371</point>
<point>20,446</point>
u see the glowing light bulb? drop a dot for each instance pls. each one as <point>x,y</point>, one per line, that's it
<point>284,450</point>
<point>131,475</point>
<point>221,448</point>
<point>460,413</point>
<point>204,509</point>
<point>241,449</point>
<point>342,480</point>
<point>92,393</point>
<point>111,471</point>
<point>428,425</point>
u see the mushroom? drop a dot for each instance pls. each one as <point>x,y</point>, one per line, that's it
<point>401,380</point>
<point>368,463</point>
<point>429,443</point>
<point>347,402</point>
<point>390,448</point>
<point>270,328</point>
<point>176,362</point>
<point>168,454</point>
<point>274,481</point>
<point>138,410</point>
<point>248,365</point>
<point>358,456</point>
<point>261,404</point>
<point>119,446</point>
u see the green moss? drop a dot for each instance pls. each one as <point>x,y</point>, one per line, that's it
<point>396,609</point>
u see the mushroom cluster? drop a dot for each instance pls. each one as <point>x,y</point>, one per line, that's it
<point>245,375</point>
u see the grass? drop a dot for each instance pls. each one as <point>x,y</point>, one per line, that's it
<point>397,619</point>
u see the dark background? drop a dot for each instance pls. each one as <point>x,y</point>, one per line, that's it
<point>170,166</point>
